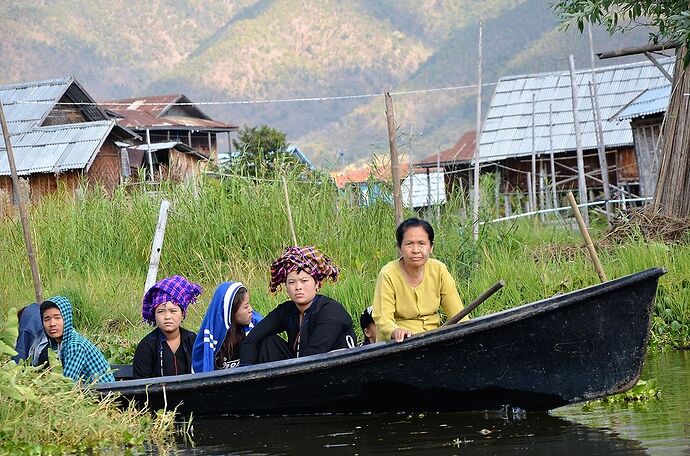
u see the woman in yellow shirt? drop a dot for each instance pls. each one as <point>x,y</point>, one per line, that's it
<point>410,290</point>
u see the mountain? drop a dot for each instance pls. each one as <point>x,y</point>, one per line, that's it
<point>238,54</point>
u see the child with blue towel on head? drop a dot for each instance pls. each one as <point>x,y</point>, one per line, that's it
<point>227,322</point>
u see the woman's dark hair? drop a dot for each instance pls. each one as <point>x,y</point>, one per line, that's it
<point>235,334</point>
<point>413,223</point>
<point>45,305</point>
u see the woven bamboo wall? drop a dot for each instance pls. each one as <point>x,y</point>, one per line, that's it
<point>105,169</point>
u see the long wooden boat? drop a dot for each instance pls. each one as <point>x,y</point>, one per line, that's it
<point>569,348</point>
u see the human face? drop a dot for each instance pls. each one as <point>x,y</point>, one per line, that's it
<point>168,317</point>
<point>243,314</point>
<point>53,323</point>
<point>416,247</point>
<point>370,332</point>
<point>301,288</point>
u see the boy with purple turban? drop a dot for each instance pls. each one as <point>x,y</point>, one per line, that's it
<point>314,323</point>
<point>167,350</point>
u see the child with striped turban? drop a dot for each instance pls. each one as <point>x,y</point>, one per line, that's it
<point>314,323</point>
<point>167,350</point>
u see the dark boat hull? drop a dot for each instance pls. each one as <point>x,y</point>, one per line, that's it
<point>580,346</point>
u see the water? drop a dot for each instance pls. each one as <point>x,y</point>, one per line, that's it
<point>655,427</point>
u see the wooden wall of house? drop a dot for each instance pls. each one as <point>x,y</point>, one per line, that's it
<point>40,185</point>
<point>65,114</point>
<point>626,166</point>
<point>648,146</point>
<point>198,141</point>
<point>184,167</point>
<point>105,169</point>
<point>515,171</point>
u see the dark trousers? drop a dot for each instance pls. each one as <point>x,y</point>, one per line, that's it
<point>274,348</point>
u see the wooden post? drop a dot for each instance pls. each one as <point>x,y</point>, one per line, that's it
<point>411,174</point>
<point>553,164</point>
<point>289,212</point>
<point>23,215</point>
<point>603,165</point>
<point>212,155</point>
<point>411,187</point>
<point>542,185</point>
<point>582,183</point>
<point>533,189</point>
<point>428,188</point>
<point>530,195</point>
<point>148,154</point>
<point>157,245</point>
<point>395,166</point>
<point>438,184</point>
<point>588,240</point>
<point>475,206</point>
<point>507,207</point>
<point>601,149</point>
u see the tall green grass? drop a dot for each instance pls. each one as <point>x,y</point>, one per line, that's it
<point>95,250</point>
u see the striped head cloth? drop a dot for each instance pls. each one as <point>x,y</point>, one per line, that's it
<point>307,259</point>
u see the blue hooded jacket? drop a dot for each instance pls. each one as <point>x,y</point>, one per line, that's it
<point>216,325</point>
<point>81,359</point>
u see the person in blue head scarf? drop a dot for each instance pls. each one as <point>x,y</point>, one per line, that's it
<point>228,320</point>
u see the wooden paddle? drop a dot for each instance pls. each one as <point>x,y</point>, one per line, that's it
<point>484,296</point>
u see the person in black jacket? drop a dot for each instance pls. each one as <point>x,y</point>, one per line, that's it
<point>314,323</point>
<point>167,350</point>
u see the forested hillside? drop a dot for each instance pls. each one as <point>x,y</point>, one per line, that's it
<point>250,50</point>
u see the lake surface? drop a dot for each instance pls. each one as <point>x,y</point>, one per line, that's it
<point>657,427</point>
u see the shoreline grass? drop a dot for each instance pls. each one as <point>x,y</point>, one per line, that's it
<point>43,412</point>
<point>95,250</point>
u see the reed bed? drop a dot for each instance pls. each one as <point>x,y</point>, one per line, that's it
<point>95,250</point>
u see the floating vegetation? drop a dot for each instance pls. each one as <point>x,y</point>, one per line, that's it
<point>643,391</point>
<point>43,412</point>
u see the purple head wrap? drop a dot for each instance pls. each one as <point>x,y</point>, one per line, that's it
<point>175,289</point>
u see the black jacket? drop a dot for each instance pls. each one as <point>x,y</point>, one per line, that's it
<point>147,357</point>
<point>327,326</point>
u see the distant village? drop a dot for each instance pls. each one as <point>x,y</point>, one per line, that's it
<point>61,136</point>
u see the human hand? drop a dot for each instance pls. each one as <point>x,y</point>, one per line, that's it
<point>400,334</point>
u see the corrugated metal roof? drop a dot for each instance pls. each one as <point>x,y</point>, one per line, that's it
<point>182,147</point>
<point>56,148</point>
<point>651,101</point>
<point>507,130</point>
<point>425,191</point>
<point>27,104</point>
<point>163,145</point>
<point>163,112</point>
<point>461,152</point>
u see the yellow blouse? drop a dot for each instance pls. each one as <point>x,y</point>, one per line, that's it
<point>398,305</point>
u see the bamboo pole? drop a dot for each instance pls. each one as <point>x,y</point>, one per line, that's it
<point>582,183</point>
<point>483,297</point>
<point>533,189</point>
<point>588,240</point>
<point>148,154</point>
<point>475,206</point>
<point>530,195</point>
<point>438,184</point>
<point>395,165</point>
<point>603,165</point>
<point>551,159</point>
<point>289,212</point>
<point>157,245</point>
<point>23,214</point>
